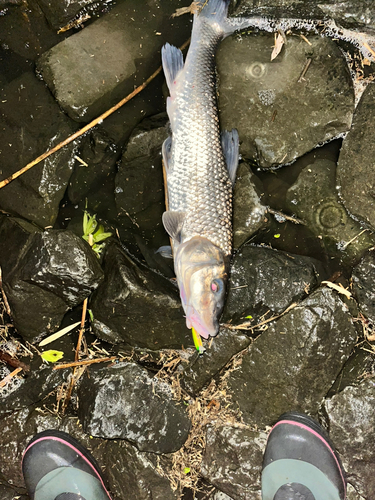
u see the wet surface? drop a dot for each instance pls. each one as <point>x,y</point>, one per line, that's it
<point>289,342</point>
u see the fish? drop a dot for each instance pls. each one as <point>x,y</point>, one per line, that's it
<point>200,166</point>
<point>200,161</point>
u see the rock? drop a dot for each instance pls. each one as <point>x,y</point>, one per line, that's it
<point>137,306</point>
<point>233,459</point>
<point>30,124</point>
<point>59,13</point>
<point>116,459</point>
<point>93,69</point>
<point>201,369</point>
<point>363,278</point>
<point>55,271</point>
<point>350,13</point>
<point>263,279</point>
<point>288,117</point>
<point>144,481</point>
<point>37,384</point>
<point>124,401</point>
<point>100,155</point>
<point>313,198</point>
<point>139,190</point>
<point>352,423</point>
<point>248,210</point>
<point>355,173</point>
<point>295,361</point>
<point>14,235</point>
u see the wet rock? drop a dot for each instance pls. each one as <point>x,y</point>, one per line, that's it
<point>137,306</point>
<point>30,124</point>
<point>363,278</point>
<point>143,478</point>
<point>37,384</point>
<point>248,210</point>
<point>263,279</point>
<point>60,12</point>
<point>93,69</point>
<point>350,13</point>
<point>294,362</point>
<point>125,401</point>
<point>55,271</point>
<point>313,198</point>
<point>201,369</point>
<point>139,187</point>
<point>116,459</point>
<point>355,173</point>
<point>14,235</point>
<point>251,85</point>
<point>360,362</point>
<point>100,154</point>
<point>352,423</point>
<point>233,460</point>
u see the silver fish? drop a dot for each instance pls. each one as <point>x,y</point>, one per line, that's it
<point>200,163</point>
<point>200,167</point>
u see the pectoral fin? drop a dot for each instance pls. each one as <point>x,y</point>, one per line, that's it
<point>173,222</point>
<point>230,143</point>
<point>166,152</point>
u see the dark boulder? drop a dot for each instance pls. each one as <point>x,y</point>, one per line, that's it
<point>125,401</point>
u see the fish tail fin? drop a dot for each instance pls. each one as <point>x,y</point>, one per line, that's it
<point>217,11</point>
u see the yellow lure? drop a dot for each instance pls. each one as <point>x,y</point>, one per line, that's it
<point>198,342</point>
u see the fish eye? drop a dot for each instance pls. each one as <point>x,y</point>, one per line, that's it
<point>216,285</point>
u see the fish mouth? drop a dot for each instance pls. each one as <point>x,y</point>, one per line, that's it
<point>193,320</point>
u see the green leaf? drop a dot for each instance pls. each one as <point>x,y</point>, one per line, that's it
<point>52,356</point>
<point>91,314</point>
<point>276,235</point>
<point>249,317</point>
<point>186,470</point>
<point>101,236</point>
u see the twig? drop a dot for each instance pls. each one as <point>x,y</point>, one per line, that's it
<point>87,127</point>
<point>304,71</point>
<point>345,246</point>
<point>84,362</point>
<point>8,378</point>
<point>286,217</point>
<point>16,363</point>
<point>247,324</point>
<point>6,303</point>
<point>82,329</point>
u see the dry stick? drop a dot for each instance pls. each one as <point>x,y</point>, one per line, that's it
<point>82,329</point>
<point>86,127</point>
<point>84,362</point>
<point>6,303</point>
<point>8,378</point>
<point>15,363</point>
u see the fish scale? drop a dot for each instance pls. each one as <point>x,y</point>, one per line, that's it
<point>198,182</point>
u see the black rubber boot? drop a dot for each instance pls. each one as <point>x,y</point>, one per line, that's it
<point>57,467</point>
<point>300,462</point>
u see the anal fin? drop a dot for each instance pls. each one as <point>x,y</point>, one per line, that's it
<point>173,62</point>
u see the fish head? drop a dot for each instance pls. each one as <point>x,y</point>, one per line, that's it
<point>201,271</point>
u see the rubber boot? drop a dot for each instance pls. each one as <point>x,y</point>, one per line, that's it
<point>300,462</point>
<point>57,467</point>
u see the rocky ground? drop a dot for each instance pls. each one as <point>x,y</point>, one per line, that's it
<point>298,327</point>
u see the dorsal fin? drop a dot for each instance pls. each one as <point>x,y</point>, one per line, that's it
<point>230,143</point>
<point>173,222</point>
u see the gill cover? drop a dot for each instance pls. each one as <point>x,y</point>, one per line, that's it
<point>201,272</point>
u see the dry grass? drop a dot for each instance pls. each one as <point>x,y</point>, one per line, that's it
<point>212,407</point>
